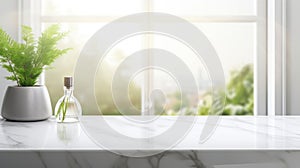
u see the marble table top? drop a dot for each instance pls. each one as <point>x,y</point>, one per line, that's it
<point>231,133</point>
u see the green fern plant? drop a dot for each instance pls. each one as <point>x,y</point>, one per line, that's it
<point>26,61</point>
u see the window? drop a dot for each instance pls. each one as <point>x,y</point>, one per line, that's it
<point>236,28</point>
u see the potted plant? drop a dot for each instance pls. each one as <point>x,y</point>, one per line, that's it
<point>26,61</point>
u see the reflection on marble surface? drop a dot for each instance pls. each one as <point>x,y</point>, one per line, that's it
<point>42,135</point>
<point>68,132</point>
<point>233,132</point>
<point>238,142</point>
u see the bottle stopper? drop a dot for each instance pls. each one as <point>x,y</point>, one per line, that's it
<point>68,81</point>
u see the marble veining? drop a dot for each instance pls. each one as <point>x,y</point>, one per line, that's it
<point>238,142</point>
<point>233,132</point>
<point>167,159</point>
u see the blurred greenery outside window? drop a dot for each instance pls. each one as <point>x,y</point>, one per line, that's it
<point>237,56</point>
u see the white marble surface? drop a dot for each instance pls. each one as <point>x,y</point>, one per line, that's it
<point>232,133</point>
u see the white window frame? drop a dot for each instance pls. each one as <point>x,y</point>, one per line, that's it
<point>276,57</point>
<point>269,71</point>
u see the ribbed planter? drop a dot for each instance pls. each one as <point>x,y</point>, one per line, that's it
<point>26,103</point>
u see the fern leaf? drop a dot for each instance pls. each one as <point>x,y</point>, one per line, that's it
<point>27,35</point>
<point>7,67</point>
<point>27,60</point>
<point>13,78</point>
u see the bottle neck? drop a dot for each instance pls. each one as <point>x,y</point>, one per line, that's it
<point>68,91</point>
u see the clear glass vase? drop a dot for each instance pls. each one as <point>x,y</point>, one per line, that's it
<point>68,108</point>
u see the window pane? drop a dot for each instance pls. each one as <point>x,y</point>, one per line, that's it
<point>64,66</point>
<point>235,44</point>
<point>91,7</point>
<point>206,7</point>
<point>117,56</point>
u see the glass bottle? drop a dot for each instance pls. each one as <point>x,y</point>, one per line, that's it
<point>68,109</point>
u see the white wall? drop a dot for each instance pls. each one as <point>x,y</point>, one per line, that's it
<point>9,22</point>
<point>293,57</point>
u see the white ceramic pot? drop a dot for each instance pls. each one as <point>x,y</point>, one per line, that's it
<point>26,103</point>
